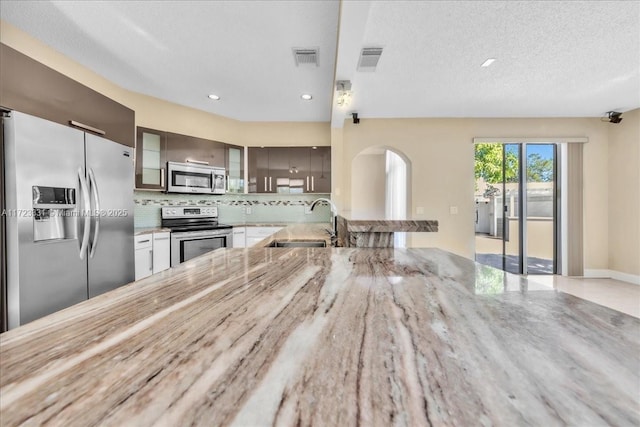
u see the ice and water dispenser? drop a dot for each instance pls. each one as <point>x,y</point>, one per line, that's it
<point>54,213</point>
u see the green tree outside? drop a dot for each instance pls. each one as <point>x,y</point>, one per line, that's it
<point>489,164</point>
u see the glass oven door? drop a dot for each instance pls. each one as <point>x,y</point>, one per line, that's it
<point>196,247</point>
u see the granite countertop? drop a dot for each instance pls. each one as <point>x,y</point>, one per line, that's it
<point>148,230</point>
<point>325,336</point>
<point>361,222</point>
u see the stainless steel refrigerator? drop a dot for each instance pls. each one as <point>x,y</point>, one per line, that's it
<point>68,213</point>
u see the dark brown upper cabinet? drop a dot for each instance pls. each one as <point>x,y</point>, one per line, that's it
<point>154,148</point>
<point>258,164</point>
<point>289,170</point>
<point>320,170</point>
<point>28,86</point>
<point>184,149</point>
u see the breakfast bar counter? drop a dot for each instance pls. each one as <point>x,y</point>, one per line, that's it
<point>362,230</point>
<point>325,336</point>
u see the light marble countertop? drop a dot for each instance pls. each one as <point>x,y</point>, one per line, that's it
<point>325,336</point>
<point>138,231</point>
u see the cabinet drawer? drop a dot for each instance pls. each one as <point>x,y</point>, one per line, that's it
<point>261,231</point>
<point>144,241</point>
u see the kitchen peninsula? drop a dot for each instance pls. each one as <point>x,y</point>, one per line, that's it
<point>325,336</point>
<point>365,231</point>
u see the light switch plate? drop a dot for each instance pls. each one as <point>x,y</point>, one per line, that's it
<point>453,210</point>
<point>419,210</point>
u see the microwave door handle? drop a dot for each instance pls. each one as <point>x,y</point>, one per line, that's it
<point>197,162</point>
<point>84,189</point>
<point>96,201</point>
<point>265,184</point>
<point>162,183</point>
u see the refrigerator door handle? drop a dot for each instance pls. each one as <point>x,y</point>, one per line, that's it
<point>84,189</point>
<point>96,212</point>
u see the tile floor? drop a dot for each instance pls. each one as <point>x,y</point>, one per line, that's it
<point>615,294</point>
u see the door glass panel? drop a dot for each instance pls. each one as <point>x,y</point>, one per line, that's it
<point>504,237</point>
<point>151,159</point>
<point>509,218</point>
<point>489,226</point>
<point>235,178</point>
<point>540,208</point>
<point>150,176</point>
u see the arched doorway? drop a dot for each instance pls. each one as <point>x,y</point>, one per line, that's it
<point>380,185</point>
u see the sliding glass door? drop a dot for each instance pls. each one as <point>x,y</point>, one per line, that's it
<point>516,207</point>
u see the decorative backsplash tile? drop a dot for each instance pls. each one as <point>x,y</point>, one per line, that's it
<point>236,208</point>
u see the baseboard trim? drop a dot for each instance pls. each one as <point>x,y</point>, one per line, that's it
<point>612,274</point>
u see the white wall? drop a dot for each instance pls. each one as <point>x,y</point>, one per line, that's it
<point>624,195</point>
<point>369,184</point>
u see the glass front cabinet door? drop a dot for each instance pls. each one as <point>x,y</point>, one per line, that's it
<point>150,159</point>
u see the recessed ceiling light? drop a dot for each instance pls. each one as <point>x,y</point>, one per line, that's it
<point>306,96</point>
<point>214,97</point>
<point>488,62</point>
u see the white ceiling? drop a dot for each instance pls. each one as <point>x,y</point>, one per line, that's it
<point>553,58</point>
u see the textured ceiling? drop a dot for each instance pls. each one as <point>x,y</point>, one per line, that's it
<point>182,51</point>
<point>553,59</point>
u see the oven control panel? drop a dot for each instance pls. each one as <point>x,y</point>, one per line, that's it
<point>189,212</point>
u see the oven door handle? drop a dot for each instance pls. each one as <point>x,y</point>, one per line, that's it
<point>204,234</point>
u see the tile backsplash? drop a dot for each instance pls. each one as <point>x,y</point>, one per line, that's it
<point>234,208</point>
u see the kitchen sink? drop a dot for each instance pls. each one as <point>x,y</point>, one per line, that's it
<point>298,244</point>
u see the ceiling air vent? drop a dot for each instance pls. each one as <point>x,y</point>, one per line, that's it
<point>306,56</point>
<point>369,58</point>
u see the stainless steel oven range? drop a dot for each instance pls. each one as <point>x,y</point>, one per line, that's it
<point>194,231</point>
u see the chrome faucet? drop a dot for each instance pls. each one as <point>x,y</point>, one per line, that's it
<point>334,213</point>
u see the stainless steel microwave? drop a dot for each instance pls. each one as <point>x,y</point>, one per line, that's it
<point>195,178</point>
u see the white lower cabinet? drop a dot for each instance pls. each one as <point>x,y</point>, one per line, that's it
<point>256,234</point>
<point>144,255</point>
<point>161,251</point>
<point>239,237</point>
<point>152,253</point>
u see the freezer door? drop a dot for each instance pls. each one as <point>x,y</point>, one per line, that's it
<point>47,275</point>
<point>110,172</point>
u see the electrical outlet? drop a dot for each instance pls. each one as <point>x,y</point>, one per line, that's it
<point>453,210</point>
<point>419,210</point>
<point>248,210</point>
<point>307,210</point>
